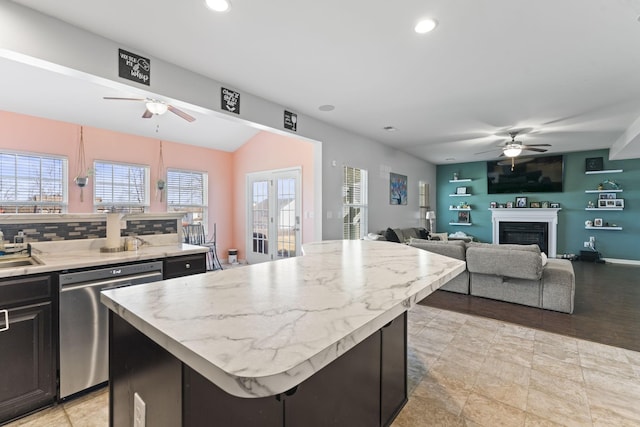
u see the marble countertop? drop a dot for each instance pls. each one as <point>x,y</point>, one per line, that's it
<point>262,329</point>
<point>64,255</point>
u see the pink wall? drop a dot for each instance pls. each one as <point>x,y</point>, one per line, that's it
<point>30,134</point>
<point>267,151</point>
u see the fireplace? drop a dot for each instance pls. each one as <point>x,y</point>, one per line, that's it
<point>525,233</point>
<point>529,220</point>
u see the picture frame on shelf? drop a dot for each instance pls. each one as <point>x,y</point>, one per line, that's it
<point>461,190</point>
<point>611,203</point>
<point>602,203</point>
<point>464,217</point>
<point>619,203</point>
<point>592,164</point>
<point>509,204</point>
<point>501,205</point>
<point>606,196</point>
<point>597,222</point>
<point>534,204</point>
<point>554,205</point>
<point>521,202</point>
<point>544,205</point>
<point>493,204</point>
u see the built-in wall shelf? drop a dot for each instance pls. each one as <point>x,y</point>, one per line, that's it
<point>459,195</point>
<point>603,209</point>
<point>460,223</point>
<point>603,228</point>
<point>605,171</point>
<point>461,180</point>
<point>603,191</point>
<point>459,209</point>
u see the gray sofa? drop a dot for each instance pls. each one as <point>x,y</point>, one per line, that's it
<point>512,273</point>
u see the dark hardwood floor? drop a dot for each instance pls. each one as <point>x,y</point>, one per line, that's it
<point>607,306</point>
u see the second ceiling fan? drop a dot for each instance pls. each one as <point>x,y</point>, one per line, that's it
<point>154,106</point>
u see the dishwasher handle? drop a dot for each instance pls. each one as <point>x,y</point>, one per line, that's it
<point>115,282</point>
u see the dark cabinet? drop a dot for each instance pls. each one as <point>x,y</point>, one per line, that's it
<point>366,386</point>
<point>344,393</point>
<point>393,369</point>
<point>27,351</point>
<point>185,265</point>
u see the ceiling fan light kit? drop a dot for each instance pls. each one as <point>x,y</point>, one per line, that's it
<point>157,107</point>
<point>218,5</point>
<point>512,150</point>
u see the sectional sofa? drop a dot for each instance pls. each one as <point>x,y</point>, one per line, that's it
<point>514,273</point>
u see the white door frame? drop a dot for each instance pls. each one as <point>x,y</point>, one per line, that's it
<point>271,244</point>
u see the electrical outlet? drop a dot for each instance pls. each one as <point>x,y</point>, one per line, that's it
<point>139,411</point>
<point>586,244</point>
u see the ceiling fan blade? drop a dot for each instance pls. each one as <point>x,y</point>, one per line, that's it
<point>539,150</point>
<point>181,113</point>
<point>124,99</point>
<point>488,151</point>
<point>538,145</point>
<point>147,114</point>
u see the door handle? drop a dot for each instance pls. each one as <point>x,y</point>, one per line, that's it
<point>6,320</point>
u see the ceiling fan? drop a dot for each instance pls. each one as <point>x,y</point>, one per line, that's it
<point>154,106</point>
<point>514,148</point>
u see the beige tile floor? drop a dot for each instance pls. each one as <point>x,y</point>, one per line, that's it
<point>472,371</point>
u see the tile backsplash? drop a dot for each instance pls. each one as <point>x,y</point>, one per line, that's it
<point>75,230</point>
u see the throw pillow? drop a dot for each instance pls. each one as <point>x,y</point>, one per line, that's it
<point>424,234</point>
<point>544,258</point>
<point>391,236</point>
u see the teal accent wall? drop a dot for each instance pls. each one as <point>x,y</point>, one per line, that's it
<point>573,201</point>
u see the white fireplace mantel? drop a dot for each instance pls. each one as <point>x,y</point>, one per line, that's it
<point>548,215</point>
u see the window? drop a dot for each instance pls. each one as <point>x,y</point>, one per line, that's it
<point>423,202</point>
<point>32,183</point>
<point>354,203</point>
<point>121,187</point>
<point>187,192</point>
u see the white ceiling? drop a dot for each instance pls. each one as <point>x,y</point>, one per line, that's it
<point>567,70</point>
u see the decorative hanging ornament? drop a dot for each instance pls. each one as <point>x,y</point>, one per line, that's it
<point>160,182</point>
<point>81,178</point>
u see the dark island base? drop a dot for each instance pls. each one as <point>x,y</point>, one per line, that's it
<point>367,386</point>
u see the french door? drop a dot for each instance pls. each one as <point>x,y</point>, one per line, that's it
<point>273,215</point>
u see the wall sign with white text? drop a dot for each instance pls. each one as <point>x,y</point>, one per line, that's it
<point>134,67</point>
<point>230,100</point>
<point>290,121</point>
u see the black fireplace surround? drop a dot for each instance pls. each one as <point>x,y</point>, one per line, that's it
<point>525,233</point>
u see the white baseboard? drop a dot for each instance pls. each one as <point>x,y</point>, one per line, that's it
<point>621,261</point>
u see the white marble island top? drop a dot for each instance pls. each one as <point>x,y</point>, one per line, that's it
<point>262,329</point>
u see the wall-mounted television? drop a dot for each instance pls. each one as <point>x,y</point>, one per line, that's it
<point>528,175</point>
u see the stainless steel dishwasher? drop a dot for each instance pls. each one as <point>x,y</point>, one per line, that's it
<point>84,324</point>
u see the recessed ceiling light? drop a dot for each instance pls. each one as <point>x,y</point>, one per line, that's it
<point>425,25</point>
<point>326,107</point>
<point>218,5</point>
<point>390,128</point>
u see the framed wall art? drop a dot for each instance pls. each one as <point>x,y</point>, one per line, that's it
<point>397,189</point>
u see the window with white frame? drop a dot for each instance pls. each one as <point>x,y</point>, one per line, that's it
<point>120,187</point>
<point>187,192</point>
<point>354,203</point>
<point>33,183</point>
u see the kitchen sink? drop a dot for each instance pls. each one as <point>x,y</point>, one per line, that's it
<point>21,262</point>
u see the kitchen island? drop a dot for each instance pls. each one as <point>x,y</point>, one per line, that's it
<point>318,339</point>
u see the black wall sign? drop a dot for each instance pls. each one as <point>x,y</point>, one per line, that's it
<point>290,121</point>
<point>230,100</point>
<point>134,67</point>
